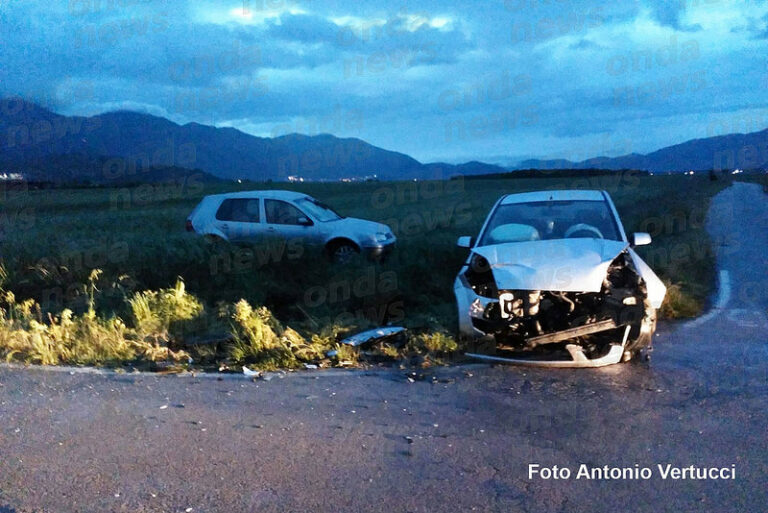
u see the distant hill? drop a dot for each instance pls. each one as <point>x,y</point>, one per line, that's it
<point>123,146</point>
<point>32,134</point>
<point>559,173</point>
<point>744,151</point>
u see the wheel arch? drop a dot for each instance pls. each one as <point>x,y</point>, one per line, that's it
<point>335,241</point>
<point>209,233</point>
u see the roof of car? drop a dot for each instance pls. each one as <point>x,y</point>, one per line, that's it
<point>278,194</point>
<point>566,195</point>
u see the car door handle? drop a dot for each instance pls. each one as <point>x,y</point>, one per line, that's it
<point>271,229</point>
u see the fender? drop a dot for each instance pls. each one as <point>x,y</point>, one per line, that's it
<point>656,288</point>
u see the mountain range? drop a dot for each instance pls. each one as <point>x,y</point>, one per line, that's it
<point>127,146</point>
<point>745,151</point>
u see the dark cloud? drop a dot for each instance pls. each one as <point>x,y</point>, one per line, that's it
<point>303,28</point>
<point>669,13</point>
<point>583,44</point>
<point>758,28</point>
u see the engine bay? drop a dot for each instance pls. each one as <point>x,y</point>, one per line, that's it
<point>527,319</point>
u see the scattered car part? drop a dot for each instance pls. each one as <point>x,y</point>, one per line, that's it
<point>384,333</point>
<point>414,376</point>
<point>250,373</point>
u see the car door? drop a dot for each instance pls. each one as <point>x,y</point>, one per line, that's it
<point>240,219</point>
<point>285,222</point>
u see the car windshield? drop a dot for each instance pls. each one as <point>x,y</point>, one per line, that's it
<point>546,220</point>
<point>319,211</point>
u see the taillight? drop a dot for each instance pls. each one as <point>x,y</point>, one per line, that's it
<point>190,228</point>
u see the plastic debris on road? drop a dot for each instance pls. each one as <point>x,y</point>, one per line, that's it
<point>251,374</point>
<point>374,335</point>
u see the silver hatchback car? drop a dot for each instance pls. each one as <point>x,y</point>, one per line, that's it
<point>274,216</point>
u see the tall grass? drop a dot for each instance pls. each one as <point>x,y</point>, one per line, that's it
<point>260,339</point>
<point>152,333</point>
<point>158,315</point>
<point>29,336</point>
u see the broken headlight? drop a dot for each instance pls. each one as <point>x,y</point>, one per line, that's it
<point>480,277</point>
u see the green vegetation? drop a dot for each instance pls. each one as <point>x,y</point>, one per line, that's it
<point>756,177</point>
<point>434,343</point>
<point>678,304</point>
<point>87,339</point>
<point>149,339</point>
<point>260,339</point>
<point>54,239</point>
<point>157,314</point>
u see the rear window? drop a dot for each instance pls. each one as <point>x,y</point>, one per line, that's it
<point>240,210</point>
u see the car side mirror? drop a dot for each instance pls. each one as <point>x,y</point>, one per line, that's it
<point>305,221</point>
<point>464,241</point>
<point>640,239</point>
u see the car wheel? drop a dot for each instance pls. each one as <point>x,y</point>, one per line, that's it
<point>343,252</point>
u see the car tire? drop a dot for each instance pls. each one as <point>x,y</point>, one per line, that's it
<point>343,252</point>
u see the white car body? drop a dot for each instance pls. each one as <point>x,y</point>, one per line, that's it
<point>572,264</point>
<point>262,217</point>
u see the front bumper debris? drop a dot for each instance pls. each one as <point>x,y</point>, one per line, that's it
<point>578,359</point>
<point>578,331</point>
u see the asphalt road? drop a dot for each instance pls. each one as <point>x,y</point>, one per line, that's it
<point>463,441</point>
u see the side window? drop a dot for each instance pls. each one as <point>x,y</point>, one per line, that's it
<point>281,212</point>
<point>241,210</point>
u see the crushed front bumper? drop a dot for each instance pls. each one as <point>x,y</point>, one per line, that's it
<point>578,359</point>
<point>472,324</point>
<point>470,306</point>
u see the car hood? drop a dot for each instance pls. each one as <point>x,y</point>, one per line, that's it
<point>568,265</point>
<point>361,226</point>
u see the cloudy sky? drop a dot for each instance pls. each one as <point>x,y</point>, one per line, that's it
<point>499,80</point>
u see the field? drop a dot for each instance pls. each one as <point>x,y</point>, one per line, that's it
<point>52,239</point>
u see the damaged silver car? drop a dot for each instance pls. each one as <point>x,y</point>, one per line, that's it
<point>553,280</point>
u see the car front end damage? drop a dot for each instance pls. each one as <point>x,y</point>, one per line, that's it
<point>568,303</point>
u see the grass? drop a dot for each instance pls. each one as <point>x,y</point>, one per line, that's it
<point>27,335</point>
<point>158,314</point>
<point>260,339</point>
<point>54,239</point>
<point>759,178</point>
